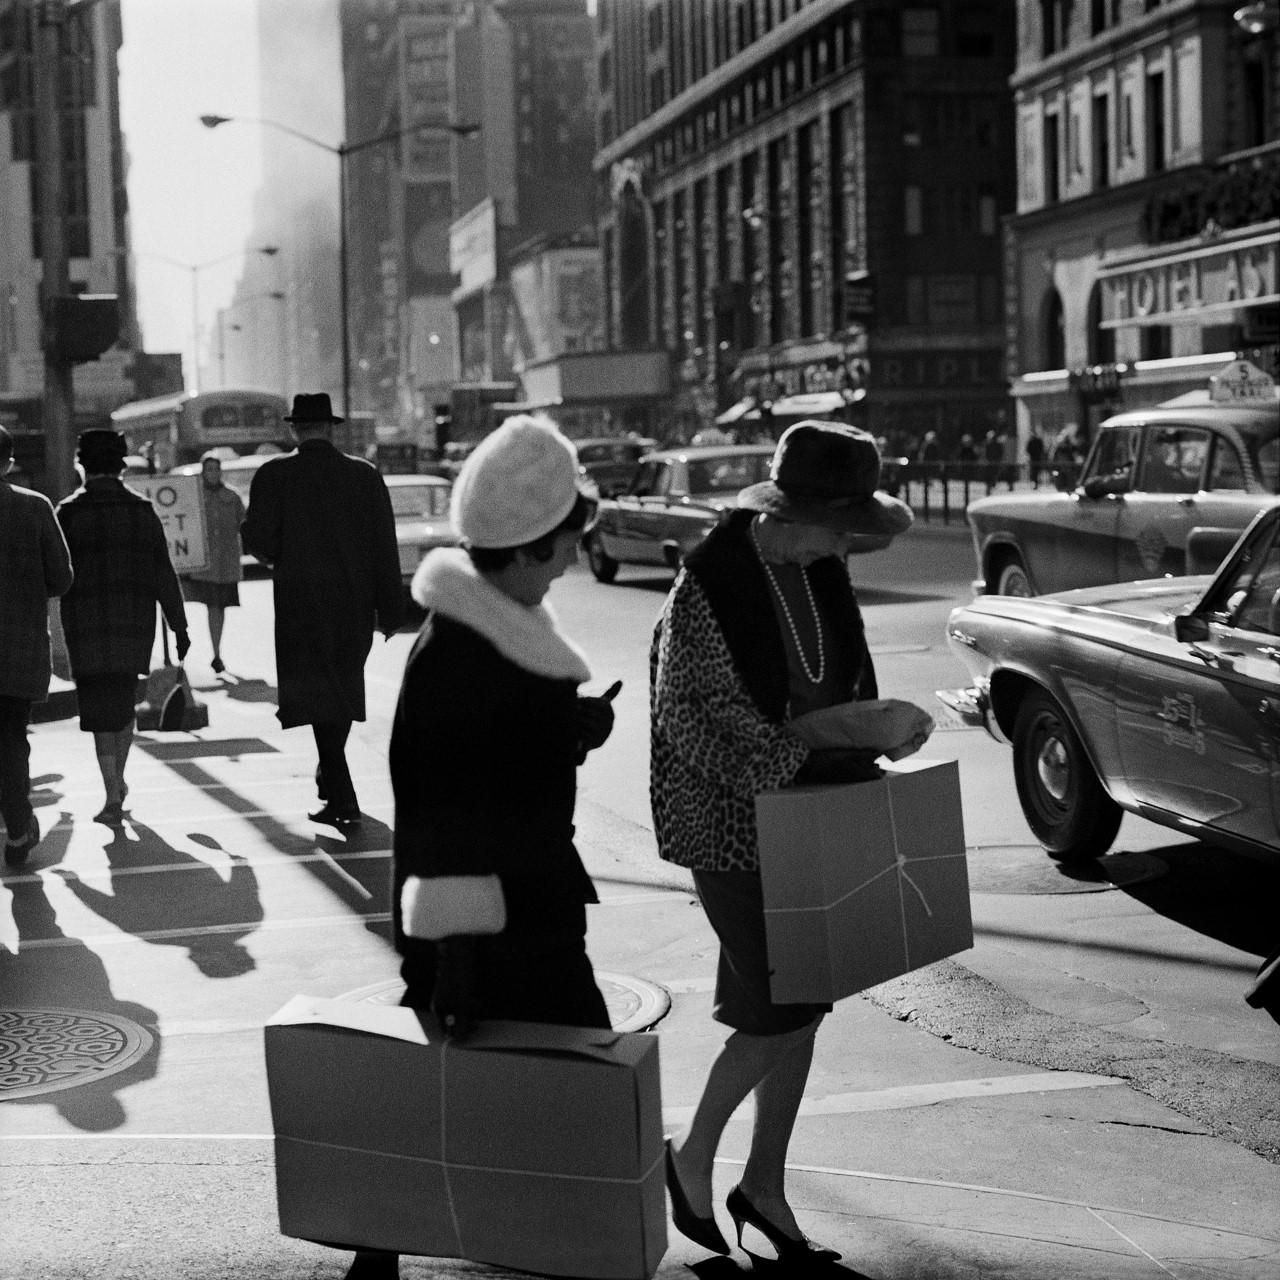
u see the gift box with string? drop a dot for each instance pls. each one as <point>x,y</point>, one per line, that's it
<point>863,882</point>
<point>528,1146</point>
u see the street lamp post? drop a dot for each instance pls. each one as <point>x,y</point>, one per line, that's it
<point>342,150</point>
<point>267,251</point>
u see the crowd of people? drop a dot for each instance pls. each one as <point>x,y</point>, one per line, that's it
<point>761,678</point>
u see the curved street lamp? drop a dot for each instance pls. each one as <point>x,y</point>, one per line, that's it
<point>342,150</point>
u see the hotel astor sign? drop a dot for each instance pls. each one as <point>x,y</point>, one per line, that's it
<point>1221,276</point>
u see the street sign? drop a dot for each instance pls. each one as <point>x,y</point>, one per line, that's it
<point>179,504</point>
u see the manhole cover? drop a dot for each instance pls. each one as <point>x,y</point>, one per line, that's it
<point>1021,868</point>
<point>633,1003</point>
<point>44,1050</point>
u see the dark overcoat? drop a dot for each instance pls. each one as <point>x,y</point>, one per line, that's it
<point>323,521</point>
<point>122,567</point>
<point>34,566</point>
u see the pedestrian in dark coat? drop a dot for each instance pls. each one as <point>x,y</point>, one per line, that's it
<point>123,571</point>
<point>323,522</point>
<point>34,567</point>
<point>489,892</point>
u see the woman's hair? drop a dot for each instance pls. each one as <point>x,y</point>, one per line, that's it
<point>493,559</point>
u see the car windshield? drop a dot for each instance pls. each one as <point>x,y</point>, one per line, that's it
<point>414,501</point>
<point>1250,597</point>
<point>728,474</point>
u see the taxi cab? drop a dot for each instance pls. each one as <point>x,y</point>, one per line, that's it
<point>1163,490</point>
<point>1159,697</point>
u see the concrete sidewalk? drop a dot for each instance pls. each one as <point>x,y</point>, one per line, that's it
<point>917,1159</point>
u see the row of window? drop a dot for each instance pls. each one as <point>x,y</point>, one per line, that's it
<point>1058,21</point>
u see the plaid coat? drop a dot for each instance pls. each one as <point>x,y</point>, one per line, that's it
<point>123,570</point>
<point>34,566</point>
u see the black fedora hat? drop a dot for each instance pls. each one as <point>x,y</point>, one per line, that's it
<point>826,473</point>
<point>315,408</point>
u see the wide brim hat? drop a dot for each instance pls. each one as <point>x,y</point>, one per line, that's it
<point>314,408</point>
<point>825,474</point>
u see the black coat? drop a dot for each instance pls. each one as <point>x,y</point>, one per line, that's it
<point>323,521</point>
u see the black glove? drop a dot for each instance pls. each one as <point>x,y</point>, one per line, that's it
<point>454,1001</point>
<point>182,642</point>
<point>595,722</point>
<point>837,765</point>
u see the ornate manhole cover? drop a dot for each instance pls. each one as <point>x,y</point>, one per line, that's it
<point>44,1050</point>
<point>633,1003</point>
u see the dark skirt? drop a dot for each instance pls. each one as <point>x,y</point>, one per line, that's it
<point>734,903</point>
<point>218,594</point>
<point>106,702</point>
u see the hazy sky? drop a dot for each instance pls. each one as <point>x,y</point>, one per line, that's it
<point>191,189</point>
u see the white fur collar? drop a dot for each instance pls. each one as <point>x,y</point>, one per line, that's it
<point>447,581</point>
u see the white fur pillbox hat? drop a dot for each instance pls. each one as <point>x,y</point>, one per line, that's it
<point>518,484</point>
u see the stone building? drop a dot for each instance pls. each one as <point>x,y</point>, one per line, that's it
<point>804,197</point>
<point>1143,253</point>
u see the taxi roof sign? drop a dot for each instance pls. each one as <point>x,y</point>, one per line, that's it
<point>1241,380</point>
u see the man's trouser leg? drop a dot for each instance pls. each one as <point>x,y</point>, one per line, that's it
<point>333,778</point>
<point>15,765</point>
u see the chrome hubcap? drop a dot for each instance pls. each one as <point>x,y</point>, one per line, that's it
<point>1053,769</point>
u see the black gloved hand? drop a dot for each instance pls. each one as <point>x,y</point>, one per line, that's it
<point>182,642</point>
<point>595,722</point>
<point>454,1001</point>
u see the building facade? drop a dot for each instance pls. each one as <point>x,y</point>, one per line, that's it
<point>806,196</point>
<point>1143,252</point>
<point>94,225</point>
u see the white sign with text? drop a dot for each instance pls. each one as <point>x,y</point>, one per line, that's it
<point>180,505</point>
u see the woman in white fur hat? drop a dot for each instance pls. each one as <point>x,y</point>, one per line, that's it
<point>490,893</point>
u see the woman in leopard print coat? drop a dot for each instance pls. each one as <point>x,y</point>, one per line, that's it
<point>758,666</point>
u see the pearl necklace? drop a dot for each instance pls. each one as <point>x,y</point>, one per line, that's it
<point>791,622</point>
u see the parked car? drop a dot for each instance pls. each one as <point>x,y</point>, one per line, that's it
<point>612,461</point>
<point>421,508</point>
<point>1165,490</point>
<point>1159,697</point>
<point>674,501</point>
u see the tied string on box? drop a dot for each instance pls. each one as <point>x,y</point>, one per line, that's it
<point>446,1164</point>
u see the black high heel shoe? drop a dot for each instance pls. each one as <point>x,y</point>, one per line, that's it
<point>701,1231</point>
<point>791,1252</point>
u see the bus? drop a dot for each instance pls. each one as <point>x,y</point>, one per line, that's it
<point>177,428</point>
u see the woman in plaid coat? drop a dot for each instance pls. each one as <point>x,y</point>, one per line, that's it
<point>123,570</point>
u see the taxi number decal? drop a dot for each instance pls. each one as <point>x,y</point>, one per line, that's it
<point>1183,723</point>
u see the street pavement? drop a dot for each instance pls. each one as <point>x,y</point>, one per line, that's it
<point>218,901</point>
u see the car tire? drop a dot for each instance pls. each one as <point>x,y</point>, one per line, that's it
<point>1062,799</point>
<point>1013,579</point>
<point>603,565</point>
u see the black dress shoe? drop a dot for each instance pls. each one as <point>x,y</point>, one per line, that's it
<point>701,1231</point>
<point>337,815</point>
<point>797,1256</point>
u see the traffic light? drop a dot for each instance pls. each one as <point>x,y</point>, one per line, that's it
<point>80,326</point>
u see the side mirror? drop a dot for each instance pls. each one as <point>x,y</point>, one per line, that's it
<point>1190,627</point>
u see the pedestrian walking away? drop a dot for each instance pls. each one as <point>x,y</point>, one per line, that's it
<point>217,585</point>
<point>761,678</point>
<point>490,894</point>
<point>322,521</point>
<point>122,571</point>
<point>34,568</point>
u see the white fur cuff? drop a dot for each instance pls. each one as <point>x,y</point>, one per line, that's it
<point>435,907</point>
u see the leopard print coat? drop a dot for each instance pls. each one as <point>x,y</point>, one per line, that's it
<point>718,699</point>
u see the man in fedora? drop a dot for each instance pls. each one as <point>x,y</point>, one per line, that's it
<point>322,521</point>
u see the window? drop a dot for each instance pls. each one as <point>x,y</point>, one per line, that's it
<point>1227,469</point>
<point>1111,465</point>
<point>919,33</point>
<point>1102,342</point>
<point>975,31</point>
<point>1055,336</point>
<point>1052,189</point>
<point>913,211</point>
<point>1101,141</point>
<point>1173,460</point>
<point>1157,137</point>
<point>988,218</point>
